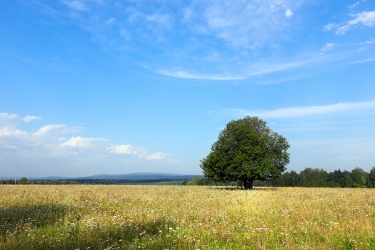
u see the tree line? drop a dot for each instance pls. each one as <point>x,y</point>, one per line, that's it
<point>320,178</point>
<point>25,181</point>
<point>309,177</point>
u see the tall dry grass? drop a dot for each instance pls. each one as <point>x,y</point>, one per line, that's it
<point>185,217</point>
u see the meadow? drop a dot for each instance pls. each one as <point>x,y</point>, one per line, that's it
<point>185,217</point>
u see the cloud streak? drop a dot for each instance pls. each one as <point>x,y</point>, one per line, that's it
<point>127,149</point>
<point>55,130</point>
<point>8,119</point>
<point>366,18</point>
<point>79,142</point>
<point>245,24</point>
<point>186,75</point>
<point>76,5</point>
<point>246,71</point>
<point>295,112</point>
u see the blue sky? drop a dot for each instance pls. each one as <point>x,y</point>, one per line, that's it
<point>115,87</point>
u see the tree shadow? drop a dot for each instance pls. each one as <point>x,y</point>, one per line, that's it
<point>56,226</point>
<point>13,218</point>
<point>137,235</point>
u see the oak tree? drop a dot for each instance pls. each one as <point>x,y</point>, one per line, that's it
<point>246,150</point>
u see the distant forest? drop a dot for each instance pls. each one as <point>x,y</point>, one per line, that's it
<point>310,177</point>
<point>357,178</point>
<point>25,181</point>
<point>320,178</point>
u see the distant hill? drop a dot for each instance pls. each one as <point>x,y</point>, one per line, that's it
<point>139,176</point>
<point>8,177</point>
<point>132,176</point>
<point>52,178</point>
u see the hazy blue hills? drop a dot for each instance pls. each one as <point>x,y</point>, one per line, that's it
<point>140,176</point>
<point>132,176</point>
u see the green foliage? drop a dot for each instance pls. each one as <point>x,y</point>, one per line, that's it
<point>360,177</point>
<point>194,181</point>
<point>246,150</point>
<point>320,178</point>
<point>184,182</point>
<point>371,177</point>
<point>23,180</point>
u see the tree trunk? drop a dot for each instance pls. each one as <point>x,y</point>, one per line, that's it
<point>248,184</point>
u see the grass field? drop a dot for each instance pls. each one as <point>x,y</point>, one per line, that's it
<point>185,217</point>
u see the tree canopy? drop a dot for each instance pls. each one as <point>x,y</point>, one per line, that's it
<point>246,150</point>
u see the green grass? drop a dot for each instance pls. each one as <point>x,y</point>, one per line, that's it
<point>185,217</point>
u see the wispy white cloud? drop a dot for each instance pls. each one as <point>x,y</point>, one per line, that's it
<point>288,13</point>
<point>159,19</point>
<point>55,130</point>
<point>246,24</point>
<point>372,41</point>
<point>241,31</point>
<point>243,70</point>
<point>126,149</point>
<point>5,117</point>
<point>157,156</point>
<point>283,79</point>
<point>240,23</point>
<point>9,132</point>
<point>162,20</point>
<point>294,112</point>
<point>264,68</point>
<point>328,46</point>
<point>330,26</point>
<point>76,5</point>
<point>31,118</point>
<point>366,18</point>
<point>354,5</point>
<point>140,152</point>
<point>366,60</point>
<point>79,142</point>
<point>47,9</point>
<point>49,141</point>
<point>12,120</point>
<point>186,75</point>
<point>10,123</point>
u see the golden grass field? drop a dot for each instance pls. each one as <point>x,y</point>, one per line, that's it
<point>185,217</point>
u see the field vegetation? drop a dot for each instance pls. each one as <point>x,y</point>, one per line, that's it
<point>185,217</point>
